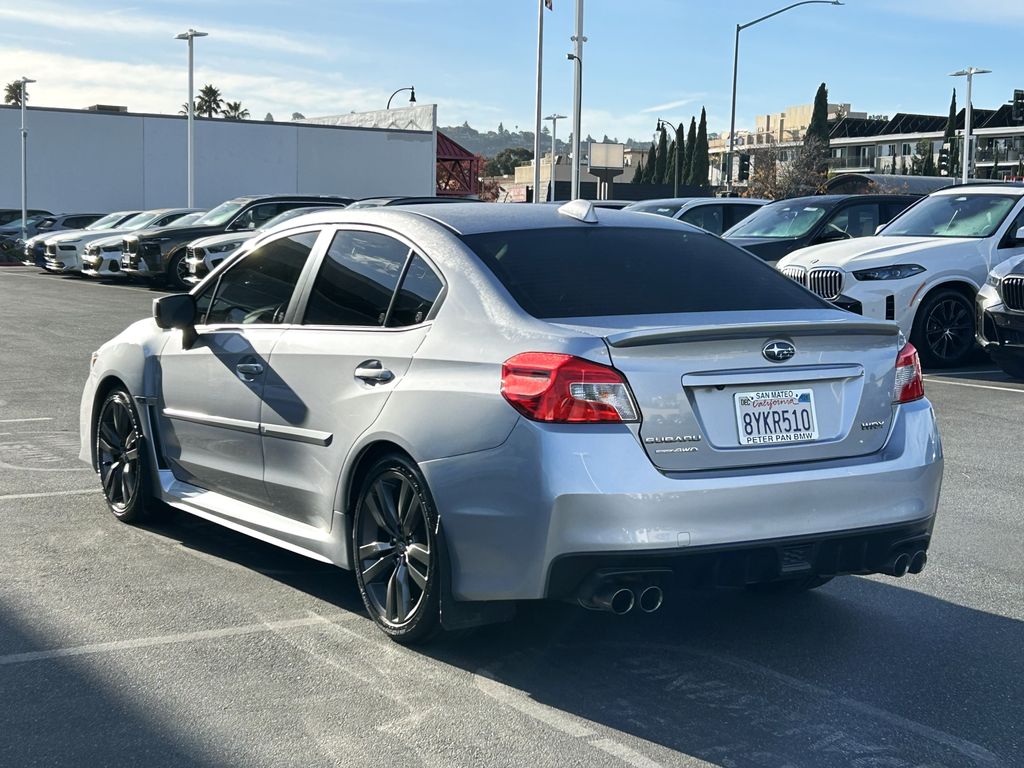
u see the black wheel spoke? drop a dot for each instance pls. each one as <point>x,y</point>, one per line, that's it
<point>112,438</point>
<point>419,553</point>
<point>390,606</point>
<point>403,599</point>
<point>108,479</point>
<point>375,549</point>
<point>377,513</point>
<point>416,575</point>
<point>386,502</point>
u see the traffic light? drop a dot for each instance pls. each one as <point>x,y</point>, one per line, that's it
<point>744,171</point>
<point>1018,106</point>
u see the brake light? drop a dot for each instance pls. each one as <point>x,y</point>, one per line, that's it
<point>909,384</point>
<point>546,386</point>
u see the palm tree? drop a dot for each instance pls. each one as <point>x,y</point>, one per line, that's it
<point>12,93</point>
<point>209,102</point>
<point>233,110</point>
<point>184,108</point>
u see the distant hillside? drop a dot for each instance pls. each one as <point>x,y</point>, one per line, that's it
<point>491,143</point>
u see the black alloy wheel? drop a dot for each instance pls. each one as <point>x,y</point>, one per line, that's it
<point>177,272</point>
<point>395,550</point>
<point>944,330</point>
<point>120,457</point>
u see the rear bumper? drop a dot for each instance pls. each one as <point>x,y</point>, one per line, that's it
<point>519,520</point>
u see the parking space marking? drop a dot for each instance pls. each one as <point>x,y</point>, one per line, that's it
<point>176,639</point>
<point>55,279</point>
<point>21,421</point>
<point>976,386</point>
<point>79,492</point>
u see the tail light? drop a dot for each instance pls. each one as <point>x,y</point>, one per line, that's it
<point>545,386</point>
<point>909,384</point>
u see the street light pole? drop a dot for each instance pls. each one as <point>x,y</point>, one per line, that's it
<point>577,100</point>
<point>412,96</point>
<point>735,69</point>
<point>538,106</point>
<point>679,135</point>
<point>24,159</point>
<point>968,154</point>
<point>554,132</point>
<point>190,36</point>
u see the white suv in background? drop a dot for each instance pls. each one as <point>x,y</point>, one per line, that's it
<point>924,268</point>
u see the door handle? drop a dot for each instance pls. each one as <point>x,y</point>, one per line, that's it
<point>372,372</point>
<point>249,369</point>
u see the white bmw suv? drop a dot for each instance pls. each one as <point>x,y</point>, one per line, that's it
<point>924,268</point>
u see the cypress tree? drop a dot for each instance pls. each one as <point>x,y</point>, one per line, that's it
<point>638,174</point>
<point>818,128</point>
<point>662,157</point>
<point>928,167</point>
<point>652,157</point>
<point>691,140</point>
<point>699,161</point>
<point>670,166</point>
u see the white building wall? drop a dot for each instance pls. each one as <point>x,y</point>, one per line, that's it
<point>91,161</point>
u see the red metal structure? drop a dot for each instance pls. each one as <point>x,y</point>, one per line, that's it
<point>458,169</point>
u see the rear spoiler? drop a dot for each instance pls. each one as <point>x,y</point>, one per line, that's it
<point>676,334</point>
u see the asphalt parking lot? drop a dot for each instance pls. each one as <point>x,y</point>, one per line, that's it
<point>183,643</point>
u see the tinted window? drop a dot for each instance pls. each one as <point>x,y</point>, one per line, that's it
<point>357,280</point>
<point>662,208</point>
<point>707,217</point>
<point>854,220</point>
<point>734,214</point>
<point>595,271</point>
<point>419,290</point>
<point>258,288</point>
<point>77,222</point>
<point>946,215</point>
<point>890,210</point>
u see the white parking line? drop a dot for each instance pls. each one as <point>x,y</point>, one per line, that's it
<point>20,421</point>
<point>976,386</point>
<point>150,642</point>
<point>66,282</point>
<point>81,491</point>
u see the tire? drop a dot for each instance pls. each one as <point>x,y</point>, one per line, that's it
<point>1013,366</point>
<point>121,459</point>
<point>789,586</point>
<point>943,331</point>
<point>395,551</point>
<point>175,276</point>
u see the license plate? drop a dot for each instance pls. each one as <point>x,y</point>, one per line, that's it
<point>774,416</point>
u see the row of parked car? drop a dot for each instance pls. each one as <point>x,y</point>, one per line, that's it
<point>946,267</point>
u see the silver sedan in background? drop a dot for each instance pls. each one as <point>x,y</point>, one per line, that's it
<point>473,405</point>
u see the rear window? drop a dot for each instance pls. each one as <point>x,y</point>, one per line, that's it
<point>601,271</point>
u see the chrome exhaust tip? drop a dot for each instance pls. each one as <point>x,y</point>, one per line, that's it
<point>918,561</point>
<point>621,601</point>
<point>650,599</point>
<point>899,565</point>
<point>611,598</point>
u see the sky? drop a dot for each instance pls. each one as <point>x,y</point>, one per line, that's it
<point>476,59</point>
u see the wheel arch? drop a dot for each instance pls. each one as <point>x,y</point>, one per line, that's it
<point>960,284</point>
<point>107,384</point>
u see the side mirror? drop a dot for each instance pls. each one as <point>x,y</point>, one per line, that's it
<point>831,236</point>
<point>1019,236</point>
<point>177,311</point>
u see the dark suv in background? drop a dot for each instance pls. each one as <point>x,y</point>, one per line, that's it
<point>160,253</point>
<point>784,226</point>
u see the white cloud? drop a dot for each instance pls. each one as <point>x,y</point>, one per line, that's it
<point>674,104</point>
<point>132,26</point>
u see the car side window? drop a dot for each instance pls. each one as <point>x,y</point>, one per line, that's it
<point>854,220</point>
<point>707,217</point>
<point>891,210</point>
<point>734,214</point>
<point>258,288</point>
<point>1010,240</point>
<point>258,215</point>
<point>163,221</point>
<point>78,222</point>
<point>357,280</point>
<point>416,296</point>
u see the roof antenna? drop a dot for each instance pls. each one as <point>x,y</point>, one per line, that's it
<point>581,210</point>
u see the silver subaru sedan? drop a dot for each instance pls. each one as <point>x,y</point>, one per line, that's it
<point>474,405</point>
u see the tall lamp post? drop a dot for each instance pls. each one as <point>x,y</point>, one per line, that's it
<point>577,101</point>
<point>968,155</point>
<point>24,158</point>
<point>554,132</point>
<point>190,36</point>
<point>735,67</point>
<point>412,95</point>
<point>679,139</point>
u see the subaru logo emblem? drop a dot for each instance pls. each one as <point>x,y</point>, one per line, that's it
<point>778,351</point>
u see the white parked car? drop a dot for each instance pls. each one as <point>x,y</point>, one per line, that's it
<point>68,242</point>
<point>64,251</point>
<point>712,214</point>
<point>102,258</point>
<point>1001,315</point>
<point>924,268</point>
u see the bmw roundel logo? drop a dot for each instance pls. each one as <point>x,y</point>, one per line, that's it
<point>778,351</point>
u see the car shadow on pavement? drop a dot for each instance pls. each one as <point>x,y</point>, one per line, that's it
<point>863,672</point>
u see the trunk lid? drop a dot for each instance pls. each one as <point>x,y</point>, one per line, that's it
<point>706,389</point>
